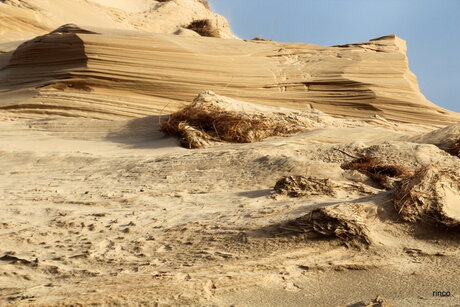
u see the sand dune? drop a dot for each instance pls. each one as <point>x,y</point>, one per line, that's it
<point>343,192</point>
<point>75,74</point>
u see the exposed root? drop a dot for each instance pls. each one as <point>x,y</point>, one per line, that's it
<point>378,171</point>
<point>300,186</point>
<point>432,194</point>
<point>192,138</point>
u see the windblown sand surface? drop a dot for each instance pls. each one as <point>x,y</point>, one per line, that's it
<point>100,207</point>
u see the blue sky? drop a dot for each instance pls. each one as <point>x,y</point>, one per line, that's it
<point>430,27</point>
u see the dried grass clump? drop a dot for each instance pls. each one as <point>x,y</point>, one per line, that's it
<point>258,38</point>
<point>198,125</point>
<point>378,171</point>
<point>300,186</point>
<point>204,27</point>
<point>455,148</point>
<point>432,194</point>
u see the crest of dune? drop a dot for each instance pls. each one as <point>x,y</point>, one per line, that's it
<point>24,19</point>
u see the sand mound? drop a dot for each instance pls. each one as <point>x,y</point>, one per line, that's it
<point>408,154</point>
<point>346,222</point>
<point>381,173</point>
<point>300,186</point>
<point>222,121</point>
<point>446,138</point>
<point>431,195</point>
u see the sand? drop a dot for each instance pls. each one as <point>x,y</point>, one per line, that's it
<point>99,207</point>
<point>114,212</point>
<point>86,74</point>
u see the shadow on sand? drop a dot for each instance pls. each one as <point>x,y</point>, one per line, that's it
<point>142,133</point>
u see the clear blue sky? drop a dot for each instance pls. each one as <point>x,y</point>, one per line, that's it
<point>430,27</point>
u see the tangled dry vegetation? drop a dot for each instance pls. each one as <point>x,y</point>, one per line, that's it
<point>341,221</point>
<point>300,186</point>
<point>261,39</point>
<point>431,195</point>
<point>198,125</point>
<point>378,171</point>
<point>204,27</point>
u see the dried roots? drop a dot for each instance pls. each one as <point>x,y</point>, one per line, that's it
<point>198,125</point>
<point>204,27</point>
<point>300,186</point>
<point>344,222</point>
<point>378,171</point>
<point>431,195</point>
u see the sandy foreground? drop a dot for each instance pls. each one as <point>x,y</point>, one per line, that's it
<point>97,212</point>
<point>99,207</point>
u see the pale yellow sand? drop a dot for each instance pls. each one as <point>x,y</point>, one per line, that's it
<point>98,207</point>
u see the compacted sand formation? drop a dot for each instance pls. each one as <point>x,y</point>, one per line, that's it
<point>142,164</point>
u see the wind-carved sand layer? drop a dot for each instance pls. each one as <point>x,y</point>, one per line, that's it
<point>321,177</point>
<point>76,73</point>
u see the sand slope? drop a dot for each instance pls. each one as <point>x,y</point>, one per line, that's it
<point>113,212</point>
